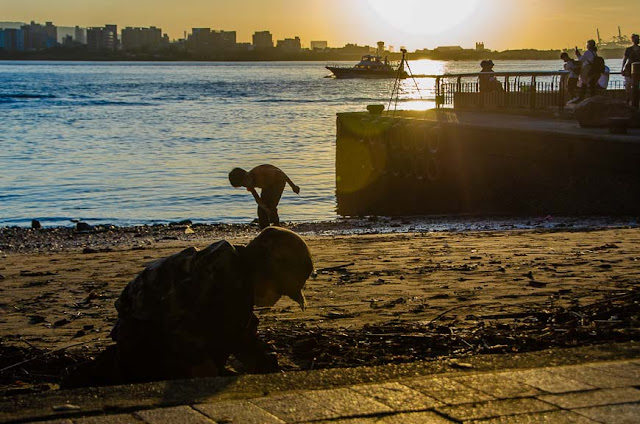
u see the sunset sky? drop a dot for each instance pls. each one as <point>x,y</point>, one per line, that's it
<point>501,24</point>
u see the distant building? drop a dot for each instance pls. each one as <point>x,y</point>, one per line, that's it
<point>289,45</point>
<point>224,40</point>
<point>381,49</point>
<point>354,49</point>
<point>39,37</point>
<point>12,39</point>
<point>480,47</point>
<point>448,49</point>
<point>102,38</point>
<point>141,38</point>
<point>204,40</point>
<point>262,40</point>
<point>80,35</point>
<point>319,45</point>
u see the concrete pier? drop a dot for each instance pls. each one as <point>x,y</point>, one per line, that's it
<point>444,161</point>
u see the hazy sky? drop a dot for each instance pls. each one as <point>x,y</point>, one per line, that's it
<point>501,24</point>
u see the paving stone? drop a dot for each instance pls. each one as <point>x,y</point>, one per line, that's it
<point>623,369</point>
<point>626,413</point>
<point>237,412</point>
<point>61,421</point>
<point>346,402</point>
<point>593,398</point>
<point>108,419</point>
<point>551,417</point>
<point>497,385</point>
<point>495,408</point>
<point>548,382</point>
<point>425,417</point>
<point>447,390</point>
<point>178,414</point>
<point>594,376</point>
<point>294,408</point>
<point>397,396</point>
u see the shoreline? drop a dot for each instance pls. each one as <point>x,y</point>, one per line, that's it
<point>105,236</point>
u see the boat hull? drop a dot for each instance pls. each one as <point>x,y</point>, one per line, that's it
<point>365,73</point>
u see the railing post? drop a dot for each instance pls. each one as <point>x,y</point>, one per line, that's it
<point>532,99</point>
<point>635,75</point>
<point>438,93</point>
<point>561,88</point>
<point>507,90</point>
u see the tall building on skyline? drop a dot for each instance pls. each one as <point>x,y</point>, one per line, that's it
<point>262,40</point>
<point>206,41</point>
<point>141,38</point>
<point>12,39</point>
<point>290,45</point>
<point>80,35</point>
<point>38,37</point>
<point>102,38</point>
<point>319,45</point>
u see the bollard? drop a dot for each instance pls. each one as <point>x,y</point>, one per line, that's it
<point>635,78</point>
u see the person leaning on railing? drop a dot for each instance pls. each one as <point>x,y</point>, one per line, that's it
<point>488,83</point>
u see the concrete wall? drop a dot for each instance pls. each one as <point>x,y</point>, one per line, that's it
<point>400,166</point>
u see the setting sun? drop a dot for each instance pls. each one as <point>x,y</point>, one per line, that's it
<point>424,17</point>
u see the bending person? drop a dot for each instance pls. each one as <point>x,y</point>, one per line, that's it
<point>272,181</point>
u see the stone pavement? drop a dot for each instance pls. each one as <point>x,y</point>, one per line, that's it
<point>601,391</point>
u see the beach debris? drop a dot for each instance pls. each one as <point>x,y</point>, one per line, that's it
<point>460,365</point>
<point>26,273</point>
<point>83,227</point>
<point>2,277</point>
<point>67,407</point>
<point>335,268</point>
<point>189,230</point>
<point>35,224</point>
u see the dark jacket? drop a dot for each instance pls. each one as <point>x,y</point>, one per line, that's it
<point>184,315</point>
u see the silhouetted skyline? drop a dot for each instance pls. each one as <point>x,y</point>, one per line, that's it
<point>501,24</point>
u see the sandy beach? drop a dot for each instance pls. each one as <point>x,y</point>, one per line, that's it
<point>376,298</point>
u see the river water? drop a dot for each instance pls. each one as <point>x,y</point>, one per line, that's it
<point>143,143</point>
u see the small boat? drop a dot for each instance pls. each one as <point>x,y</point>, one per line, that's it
<point>370,66</point>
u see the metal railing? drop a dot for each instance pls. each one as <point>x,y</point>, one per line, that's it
<point>511,90</point>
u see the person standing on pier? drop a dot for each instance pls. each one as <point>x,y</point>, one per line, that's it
<point>272,181</point>
<point>588,79</point>
<point>631,55</point>
<point>574,70</point>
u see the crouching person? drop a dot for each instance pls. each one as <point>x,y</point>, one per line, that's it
<point>184,315</point>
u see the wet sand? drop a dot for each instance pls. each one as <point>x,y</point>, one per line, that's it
<point>376,298</point>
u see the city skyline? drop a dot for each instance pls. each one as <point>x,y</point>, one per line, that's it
<point>500,24</point>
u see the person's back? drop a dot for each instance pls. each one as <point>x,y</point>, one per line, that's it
<point>184,315</point>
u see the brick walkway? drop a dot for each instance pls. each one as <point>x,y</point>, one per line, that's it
<point>602,392</point>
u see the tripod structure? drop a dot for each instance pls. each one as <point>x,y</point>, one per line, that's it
<point>395,93</point>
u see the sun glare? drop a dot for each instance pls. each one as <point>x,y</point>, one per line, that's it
<point>424,17</point>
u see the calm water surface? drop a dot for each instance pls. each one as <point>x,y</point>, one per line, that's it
<point>142,143</point>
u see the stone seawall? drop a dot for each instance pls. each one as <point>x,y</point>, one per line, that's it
<point>481,163</point>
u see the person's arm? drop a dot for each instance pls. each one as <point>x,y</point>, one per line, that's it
<point>258,199</point>
<point>294,187</point>
<point>256,355</point>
